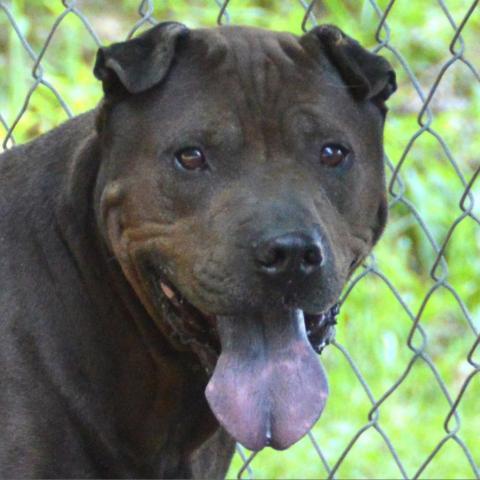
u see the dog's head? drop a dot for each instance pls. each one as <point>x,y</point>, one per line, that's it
<point>242,183</point>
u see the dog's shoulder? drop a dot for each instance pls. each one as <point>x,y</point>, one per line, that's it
<point>31,179</point>
<point>31,174</point>
<point>43,158</point>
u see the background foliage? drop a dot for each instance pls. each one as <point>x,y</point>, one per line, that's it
<point>374,326</point>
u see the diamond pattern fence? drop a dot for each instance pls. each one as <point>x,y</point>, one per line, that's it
<point>405,389</point>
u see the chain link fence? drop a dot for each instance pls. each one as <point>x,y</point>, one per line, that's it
<point>404,369</point>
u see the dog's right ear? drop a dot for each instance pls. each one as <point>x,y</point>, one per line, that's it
<point>368,76</point>
<point>140,63</point>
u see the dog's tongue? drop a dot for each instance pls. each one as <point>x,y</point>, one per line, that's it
<point>268,387</point>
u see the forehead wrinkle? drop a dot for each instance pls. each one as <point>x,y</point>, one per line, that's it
<point>239,68</point>
<point>261,67</point>
<point>245,56</point>
<point>263,64</point>
<point>294,50</point>
<point>210,45</point>
<point>265,61</point>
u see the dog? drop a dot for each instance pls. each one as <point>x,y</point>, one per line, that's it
<point>171,260</point>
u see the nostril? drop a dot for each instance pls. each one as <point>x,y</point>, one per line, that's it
<point>279,256</point>
<point>313,256</point>
<point>273,257</point>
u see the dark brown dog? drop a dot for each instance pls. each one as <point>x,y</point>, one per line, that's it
<point>213,205</point>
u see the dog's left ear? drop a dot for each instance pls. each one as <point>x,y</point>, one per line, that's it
<point>368,76</point>
<point>140,63</point>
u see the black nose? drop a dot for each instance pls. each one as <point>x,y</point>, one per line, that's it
<point>292,254</point>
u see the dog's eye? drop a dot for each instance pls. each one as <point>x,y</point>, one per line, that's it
<point>333,154</point>
<point>191,158</point>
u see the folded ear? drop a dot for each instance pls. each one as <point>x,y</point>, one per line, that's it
<point>140,63</point>
<point>369,76</point>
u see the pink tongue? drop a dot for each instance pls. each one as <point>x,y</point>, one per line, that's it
<point>268,387</point>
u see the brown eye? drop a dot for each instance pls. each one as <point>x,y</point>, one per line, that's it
<point>333,154</point>
<point>191,158</point>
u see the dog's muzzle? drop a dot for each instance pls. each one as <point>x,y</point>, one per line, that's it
<point>268,387</point>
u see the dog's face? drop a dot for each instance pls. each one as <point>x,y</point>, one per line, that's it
<point>243,176</point>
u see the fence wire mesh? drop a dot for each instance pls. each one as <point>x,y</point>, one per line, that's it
<point>398,450</point>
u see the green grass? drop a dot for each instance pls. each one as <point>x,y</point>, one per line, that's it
<point>374,327</point>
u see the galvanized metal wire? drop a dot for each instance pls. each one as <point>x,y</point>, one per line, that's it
<point>417,341</point>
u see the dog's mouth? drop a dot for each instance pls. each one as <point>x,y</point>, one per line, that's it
<point>268,387</point>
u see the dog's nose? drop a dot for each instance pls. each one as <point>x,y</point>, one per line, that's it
<point>292,254</point>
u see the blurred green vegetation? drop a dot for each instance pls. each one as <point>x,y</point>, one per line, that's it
<point>374,326</point>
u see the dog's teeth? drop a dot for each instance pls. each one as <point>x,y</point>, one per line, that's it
<point>167,291</point>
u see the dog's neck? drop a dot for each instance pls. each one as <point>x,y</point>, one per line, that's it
<point>156,391</point>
